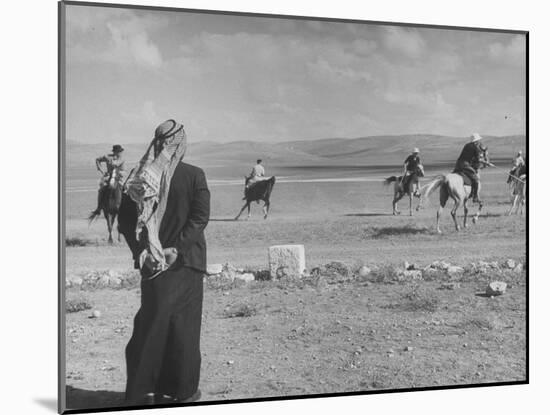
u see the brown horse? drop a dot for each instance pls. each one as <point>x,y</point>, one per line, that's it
<point>452,186</point>
<point>401,189</point>
<point>109,202</point>
<point>258,191</point>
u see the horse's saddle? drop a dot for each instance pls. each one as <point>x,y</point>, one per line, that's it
<point>465,178</point>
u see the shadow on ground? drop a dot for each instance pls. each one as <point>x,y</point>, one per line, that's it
<point>82,399</point>
<point>377,232</point>
<point>222,220</point>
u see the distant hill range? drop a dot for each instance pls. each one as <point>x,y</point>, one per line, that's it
<point>374,150</point>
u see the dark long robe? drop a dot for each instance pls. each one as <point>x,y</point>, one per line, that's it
<point>163,354</point>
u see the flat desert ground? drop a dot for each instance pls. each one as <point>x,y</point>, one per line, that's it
<point>313,338</point>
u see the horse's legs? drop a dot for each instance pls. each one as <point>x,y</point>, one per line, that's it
<point>109,226</point>
<point>410,204</point>
<point>465,213</point>
<point>476,216</point>
<point>242,210</point>
<point>248,217</point>
<point>396,198</point>
<point>514,201</point>
<point>419,196</point>
<point>266,209</point>
<point>443,197</point>
<point>453,211</point>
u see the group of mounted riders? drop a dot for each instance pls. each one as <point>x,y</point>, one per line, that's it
<point>470,160</point>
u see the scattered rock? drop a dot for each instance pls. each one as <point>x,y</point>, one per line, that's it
<point>430,273</point>
<point>518,269</point>
<point>247,277</point>
<point>337,268</point>
<point>510,263</point>
<point>214,269</point>
<point>410,267</point>
<point>408,348</point>
<point>496,288</point>
<point>454,271</point>
<point>74,306</point>
<point>364,271</point>
<point>440,265</point>
<point>230,362</point>
<point>95,314</point>
<point>287,260</point>
<point>114,282</point>
<point>412,275</point>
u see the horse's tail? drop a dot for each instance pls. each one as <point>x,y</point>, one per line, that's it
<point>432,186</point>
<point>389,180</point>
<point>93,215</point>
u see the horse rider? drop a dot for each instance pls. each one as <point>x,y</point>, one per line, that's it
<point>412,165</point>
<point>114,164</point>
<point>469,161</point>
<point>256,175</point>
<point>518,162</point>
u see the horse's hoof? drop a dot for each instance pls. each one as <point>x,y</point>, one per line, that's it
<point>265,217</point>
<point>439,231</point>
<point>474,220</point>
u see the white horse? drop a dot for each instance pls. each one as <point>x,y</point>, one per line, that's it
<point>519,185</point>
<point>452,186</point>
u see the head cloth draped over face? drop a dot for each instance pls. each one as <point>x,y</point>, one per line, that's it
<point>149,183</point>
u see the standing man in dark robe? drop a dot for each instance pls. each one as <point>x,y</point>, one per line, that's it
<point>168,204</point>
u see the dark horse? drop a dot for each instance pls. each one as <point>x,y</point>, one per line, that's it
<point>109,203</point>
<point>405,187</point>
<point>258,191</point>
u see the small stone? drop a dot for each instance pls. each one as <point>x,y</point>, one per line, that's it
<point>230,362</point>
<point>465,345</point>
<point>418,334</point>
<point>496,288</point>
<point>408,348</point>
<point>214,269</point>
<point>364,271</point>
<point>455,270</point>
<point>248,277</point>
<point>510,263</point>
<point>76,281</point>
<point>391,351</point>
<point>95,314</point>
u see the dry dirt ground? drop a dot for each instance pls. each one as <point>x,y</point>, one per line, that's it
<point>310,338</point>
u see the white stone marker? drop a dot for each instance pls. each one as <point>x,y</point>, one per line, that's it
<point>287,260</point>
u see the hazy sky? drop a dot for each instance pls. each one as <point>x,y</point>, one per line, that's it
<point>231,78</point>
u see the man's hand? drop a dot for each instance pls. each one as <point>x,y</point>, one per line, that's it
<point>171,255</point>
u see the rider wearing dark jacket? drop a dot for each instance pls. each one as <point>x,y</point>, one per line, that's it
<point>469,162</point>
<point>412,165</point>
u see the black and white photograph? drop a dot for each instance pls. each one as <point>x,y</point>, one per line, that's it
<point>260,206</point>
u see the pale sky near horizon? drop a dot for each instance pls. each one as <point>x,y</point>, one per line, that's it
<point>229,78</point>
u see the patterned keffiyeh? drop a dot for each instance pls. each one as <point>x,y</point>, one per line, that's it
<point>149,183</point>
